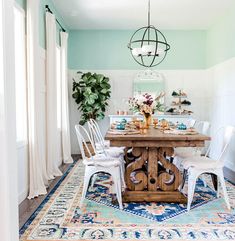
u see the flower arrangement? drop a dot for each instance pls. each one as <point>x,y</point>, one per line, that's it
<point>146,104</point>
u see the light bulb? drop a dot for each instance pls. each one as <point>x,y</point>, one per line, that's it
<point>159,52</point>
<point>148,49</point>
<point>137,52</point>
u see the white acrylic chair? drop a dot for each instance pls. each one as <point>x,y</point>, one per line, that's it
<point>102,145</point>
<point>98,163</point>
<point>97,135</point>
<point>190,123</point>
<point>180,153</point>
<point>102,148</point>
<point>204,128</point>
<point>195,166</point>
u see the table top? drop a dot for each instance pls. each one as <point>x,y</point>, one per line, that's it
<point>156,135</point>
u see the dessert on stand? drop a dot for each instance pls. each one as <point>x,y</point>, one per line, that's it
<point>180,104</point>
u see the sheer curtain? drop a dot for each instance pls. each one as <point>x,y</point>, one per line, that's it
<point>37,169</point>
<point>66,145</point>
<point>8,173</point>
<point>53,140</point>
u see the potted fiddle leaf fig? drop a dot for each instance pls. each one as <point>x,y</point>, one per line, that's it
<point>91,92</point>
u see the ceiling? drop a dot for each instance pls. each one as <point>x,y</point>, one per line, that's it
<point>131,14</point>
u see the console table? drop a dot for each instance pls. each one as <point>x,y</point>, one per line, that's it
<point>173,118</point>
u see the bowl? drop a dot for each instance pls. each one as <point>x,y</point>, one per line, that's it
<point>182,126</point>
<point>120,126</point>
<point>123,120</point>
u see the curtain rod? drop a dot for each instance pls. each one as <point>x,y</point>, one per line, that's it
<point>49,10</point>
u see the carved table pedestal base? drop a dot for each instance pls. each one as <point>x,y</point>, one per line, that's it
<point>151,177</point>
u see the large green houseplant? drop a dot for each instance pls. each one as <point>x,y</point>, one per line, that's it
<point>91,92</point>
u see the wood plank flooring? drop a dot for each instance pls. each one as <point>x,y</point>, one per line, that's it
<point>28,207</point>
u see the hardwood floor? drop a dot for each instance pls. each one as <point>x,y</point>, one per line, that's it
<point>27,207</point>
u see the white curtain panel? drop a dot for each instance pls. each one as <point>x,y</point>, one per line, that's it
<point>65,128</point>
<point>37,169</point>
<point>53,139</point>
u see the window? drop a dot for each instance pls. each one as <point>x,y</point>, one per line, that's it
<point>20,75</point>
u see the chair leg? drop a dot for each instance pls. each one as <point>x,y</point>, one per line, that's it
<point>178,162</point>
<point>87,178</point>
<point>171,159</point>
<point>183,179</point>
<point>214,181</point>
<point>113,187</point>
<point>222,182</point>
<point>191,187</point>
<point>119,195</point>
<point>117,184</point>
<point>93,180</point>
<point>122,175</point>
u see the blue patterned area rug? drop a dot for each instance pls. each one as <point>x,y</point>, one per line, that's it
<point>60,218</point>
<point>102,193</point>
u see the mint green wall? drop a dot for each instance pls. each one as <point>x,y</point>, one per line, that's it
<point>107,49</point>
<point>22,3</point>
<point>42,39</point>
<point>221,39</point>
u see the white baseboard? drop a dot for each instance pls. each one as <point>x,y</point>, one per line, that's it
<point>22,196</point>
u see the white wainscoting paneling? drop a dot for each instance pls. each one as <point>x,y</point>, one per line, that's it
<point>222,112</point>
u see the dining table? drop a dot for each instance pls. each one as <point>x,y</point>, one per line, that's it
<point>150,174</point>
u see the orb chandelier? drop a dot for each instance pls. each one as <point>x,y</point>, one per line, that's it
<point>148,45</point>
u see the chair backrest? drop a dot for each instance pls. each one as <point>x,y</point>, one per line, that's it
<point>83,136</point>
<point>190,123</point>
<point>203,127</point>
<point>222,137</point>
<point>95,132</point>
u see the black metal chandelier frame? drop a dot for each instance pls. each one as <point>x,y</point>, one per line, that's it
<point>156,41</point>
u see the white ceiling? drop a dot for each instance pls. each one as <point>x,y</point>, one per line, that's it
<point>131,14</point>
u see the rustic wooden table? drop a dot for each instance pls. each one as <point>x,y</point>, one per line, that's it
<point>149,174</point>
